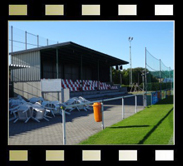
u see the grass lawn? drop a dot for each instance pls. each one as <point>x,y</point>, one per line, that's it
<point>153,125</point>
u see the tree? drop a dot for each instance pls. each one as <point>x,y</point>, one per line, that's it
<point>115,76</point>
<point>136,76</point>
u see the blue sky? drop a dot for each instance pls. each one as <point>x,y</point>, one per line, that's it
<point>110,37</point>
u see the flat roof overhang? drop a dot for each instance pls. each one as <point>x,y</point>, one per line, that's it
<point>75,51</point>
<point>15,66</point>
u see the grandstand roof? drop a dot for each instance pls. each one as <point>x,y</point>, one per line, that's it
<point>74,49</point>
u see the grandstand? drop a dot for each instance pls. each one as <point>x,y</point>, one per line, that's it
<point>79,68</point>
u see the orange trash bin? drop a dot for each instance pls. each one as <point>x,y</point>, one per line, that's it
<point>97,112</point>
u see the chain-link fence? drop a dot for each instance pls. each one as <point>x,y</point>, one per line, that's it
<point>22,40</point>
<point>158,76</point>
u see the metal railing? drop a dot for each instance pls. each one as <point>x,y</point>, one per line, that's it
<point>145,100</point>
<point>102,110</point>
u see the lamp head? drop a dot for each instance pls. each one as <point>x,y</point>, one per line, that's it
<point>130,38</point>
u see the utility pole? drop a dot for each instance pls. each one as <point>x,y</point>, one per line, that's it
<point>130,75</point>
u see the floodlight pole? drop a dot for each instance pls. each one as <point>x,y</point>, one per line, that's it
<point>130,81</point>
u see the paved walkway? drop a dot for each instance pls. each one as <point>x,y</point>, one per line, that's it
<point>79,126</point>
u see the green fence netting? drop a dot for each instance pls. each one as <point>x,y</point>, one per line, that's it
<point>158,75</point>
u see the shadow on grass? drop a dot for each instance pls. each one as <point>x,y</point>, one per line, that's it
<point>154,128</point>
<point>133,126</point>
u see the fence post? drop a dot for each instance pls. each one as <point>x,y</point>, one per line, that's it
<point>145,74</point>
<point>135,103</point>
<point>123,108</point>
<point>63,127</point>
<point>160,74</point>
<point>11,38</point>
<point>102,115</point>
<point>37,40</point>
<point>145,100</point>
<point>26,40</point>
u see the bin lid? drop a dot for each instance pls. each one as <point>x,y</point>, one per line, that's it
<point>97,104</point>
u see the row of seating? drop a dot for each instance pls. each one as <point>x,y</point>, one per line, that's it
<point>85,85</point>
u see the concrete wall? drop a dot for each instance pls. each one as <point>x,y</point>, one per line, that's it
<point>31,59</point>
<point>65,95</point>
<point>27,89</point>
<point>34,89</point>
<point>52,96</point>
<point>62,96</point>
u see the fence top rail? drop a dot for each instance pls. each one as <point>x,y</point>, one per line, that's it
<point>100,101</point>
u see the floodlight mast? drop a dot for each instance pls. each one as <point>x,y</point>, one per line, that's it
<point>130,75</point>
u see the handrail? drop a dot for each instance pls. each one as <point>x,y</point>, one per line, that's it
<point>91,102</point>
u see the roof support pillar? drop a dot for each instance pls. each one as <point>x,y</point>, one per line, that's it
<point>110,75</point>
<point>57,62</point>
<point>81,68</point>
<point>98,70</point>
